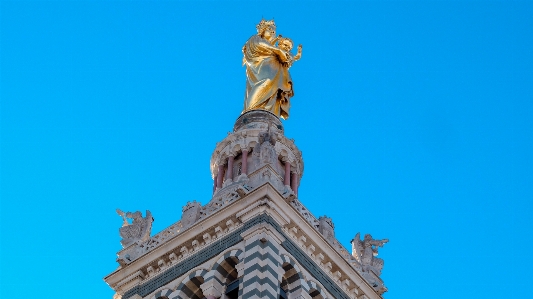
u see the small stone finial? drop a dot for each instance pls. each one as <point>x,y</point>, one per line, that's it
<point>138,230</point>
<point>326,228</point>
<point>190,213</point>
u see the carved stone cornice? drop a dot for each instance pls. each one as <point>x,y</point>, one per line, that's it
<point>265,199</point>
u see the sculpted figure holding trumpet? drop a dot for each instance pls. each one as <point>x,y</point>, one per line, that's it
<point>269,86</point>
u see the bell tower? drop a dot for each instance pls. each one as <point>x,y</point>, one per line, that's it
<point>254,238</point>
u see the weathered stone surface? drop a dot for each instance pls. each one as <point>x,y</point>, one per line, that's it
<point>260,134</point>
<point>326,228</point>
<point>138,230</point>
<point>252,119</point>
<point>191,213</point>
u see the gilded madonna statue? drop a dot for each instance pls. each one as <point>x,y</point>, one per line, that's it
<point>269,85</point>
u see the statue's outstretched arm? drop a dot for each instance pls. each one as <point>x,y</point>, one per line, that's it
<point>243,53</point>
<point>299,54</point>
<point>123,215</point>
<point>379,243</point>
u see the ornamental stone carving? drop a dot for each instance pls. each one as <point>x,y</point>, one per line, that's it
<point>138,230</point>
<point>191,213</point>
<point>267,153</point>
<point>260,134</point>
<point>326,228</point>
<point>365,252</point>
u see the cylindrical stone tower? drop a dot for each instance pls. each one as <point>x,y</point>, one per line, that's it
<point>255,152</point>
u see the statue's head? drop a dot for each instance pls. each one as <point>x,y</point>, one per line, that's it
<point>368,237</point>
<point>285,44</point>
<point>266,29</point>
<point>137,215</point>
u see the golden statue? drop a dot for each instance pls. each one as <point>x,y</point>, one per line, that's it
<point>269,84</point>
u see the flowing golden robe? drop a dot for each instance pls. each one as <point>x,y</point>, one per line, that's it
<point>269,84</point>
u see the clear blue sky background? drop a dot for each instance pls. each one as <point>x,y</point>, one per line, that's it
<point>414,119</point>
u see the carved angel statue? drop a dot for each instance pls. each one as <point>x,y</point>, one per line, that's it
<point>366,251</point>
<point>269,84</point>
<point>139,229</point>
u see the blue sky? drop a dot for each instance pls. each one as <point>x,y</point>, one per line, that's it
<point>414,119</point>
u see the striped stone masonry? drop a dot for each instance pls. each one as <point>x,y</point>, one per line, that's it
<point>295,258</point>
<point>262,264</point>
<point>222,273</point>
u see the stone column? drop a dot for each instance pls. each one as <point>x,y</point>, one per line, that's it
<point>229,172</point>
<point>220,176</point>
<point>244,168</point>
<point>294,183</point>
<point>297,184</point>
<point>287,173</point>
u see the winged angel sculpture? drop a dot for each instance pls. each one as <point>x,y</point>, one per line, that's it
<point>138,230</point>
<point>365,252</point>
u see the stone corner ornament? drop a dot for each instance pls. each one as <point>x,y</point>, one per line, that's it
<point>366,252</point>
<point>138,230</point>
